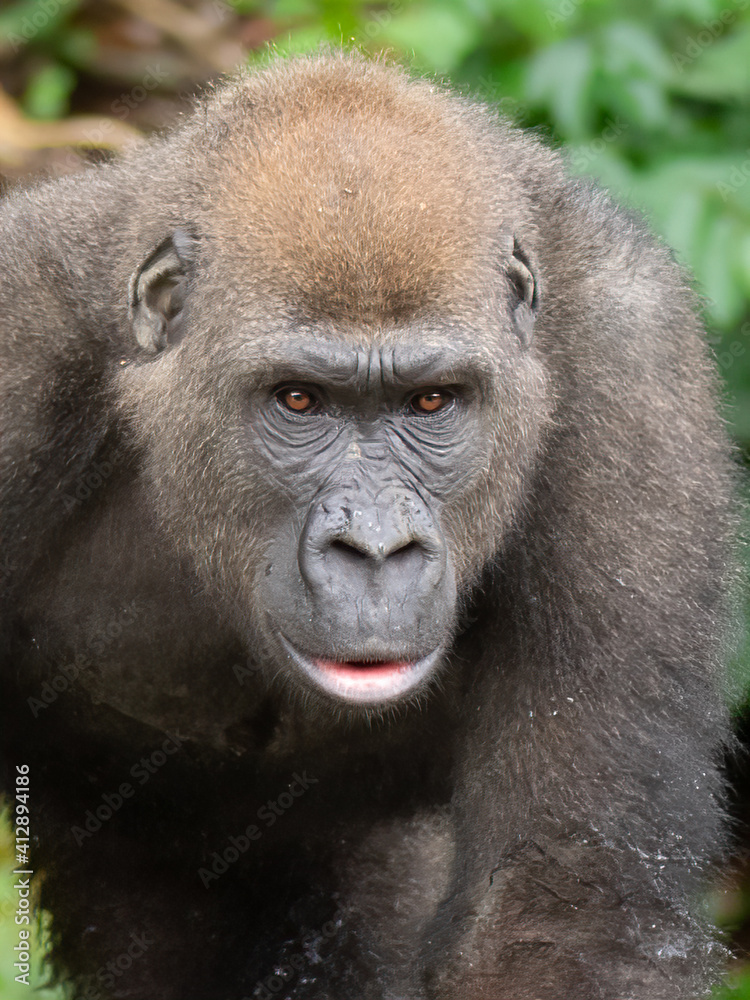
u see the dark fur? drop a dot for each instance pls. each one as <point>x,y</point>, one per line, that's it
<point>536,822</point>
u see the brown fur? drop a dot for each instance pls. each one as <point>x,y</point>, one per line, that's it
<point>374,199</point>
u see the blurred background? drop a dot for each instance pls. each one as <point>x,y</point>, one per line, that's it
<point>652,97</point>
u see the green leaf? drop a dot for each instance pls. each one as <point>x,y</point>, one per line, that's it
<point>47,95</point>
<point>695,10</point>
<point>681,199</point>
<point>293,42</point>
<point>339,18</point>
<point>605,163</point>
<point>715,63</point>
<point>288,9</point>
<point>438,37</point>
<point>559,78</point>
<point>628,48</point>
<point>538,20</point>
<point>715,271</point>
<point>634,69</point>
<point>643,102</point>
<point>733,185</point>
<point>27,22</point>
<point>743,262</point>
<point>686,221</point>
<point>247,6</point>
<point>76,46</point>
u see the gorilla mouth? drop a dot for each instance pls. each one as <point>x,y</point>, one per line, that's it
<point>365,682</point>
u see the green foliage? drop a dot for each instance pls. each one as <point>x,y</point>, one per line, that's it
<point>49,32</point>
<point>26,21</point>
<point>737,987</point>
<point>48,92</point>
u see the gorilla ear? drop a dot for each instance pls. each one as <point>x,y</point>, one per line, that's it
<point>158,291</point>
<point>525,287</point>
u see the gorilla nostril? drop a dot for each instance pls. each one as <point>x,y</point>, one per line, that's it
<point>348,549</point>
<point>405,552</point>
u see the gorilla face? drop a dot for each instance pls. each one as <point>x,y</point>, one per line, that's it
<point>373,450</point>
<point>359,585</point>
<point>344,483</point>
<point>354,470</point>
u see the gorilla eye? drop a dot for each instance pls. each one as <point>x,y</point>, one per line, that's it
<point>296,399</point>
<point>430,401</point>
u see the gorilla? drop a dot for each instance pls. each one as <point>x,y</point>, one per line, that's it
<point>368,560</point>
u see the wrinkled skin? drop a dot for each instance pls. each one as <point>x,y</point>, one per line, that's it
<point>368,527</point>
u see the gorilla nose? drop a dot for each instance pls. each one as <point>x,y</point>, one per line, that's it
<point>371,544</point>
<point>377,544</point>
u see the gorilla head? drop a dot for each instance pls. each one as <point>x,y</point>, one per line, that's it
<point>359,406</point>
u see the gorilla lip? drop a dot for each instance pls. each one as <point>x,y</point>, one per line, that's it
<point>364,681</point>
